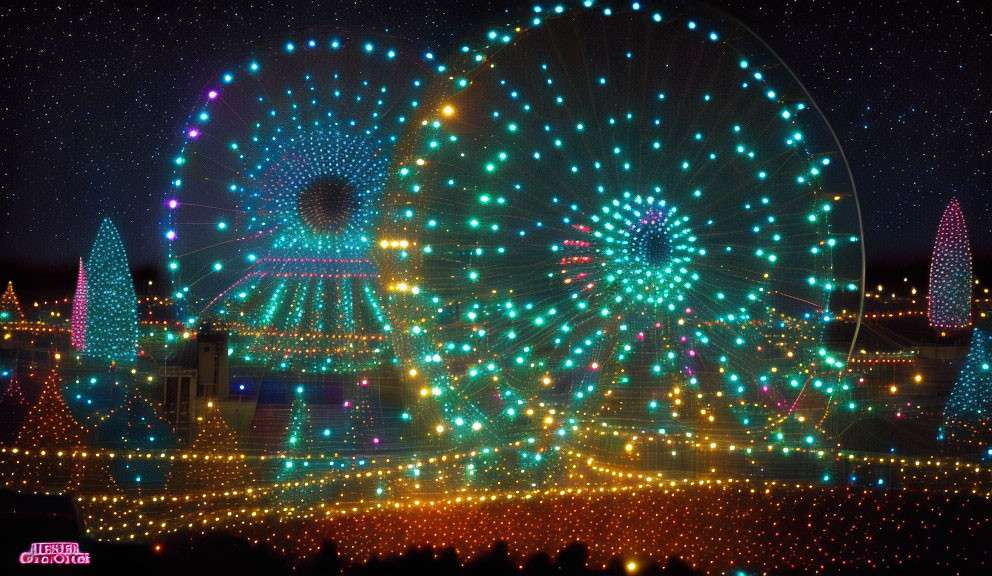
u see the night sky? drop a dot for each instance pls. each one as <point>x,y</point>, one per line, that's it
<point>95,97</point>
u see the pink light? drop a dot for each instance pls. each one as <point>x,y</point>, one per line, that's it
<point>171,234</point>
<point>375,440</point>
<point>640,335</point>
<point>365,381</point>
<point>173,203</point>
<point>683,338</point>
<point>764,388</point>
<point>692,353</point>
<point>212,94</point>
<point>347,404</point>
<point>194,133</point>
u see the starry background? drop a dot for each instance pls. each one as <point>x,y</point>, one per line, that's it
<point>95,95</point>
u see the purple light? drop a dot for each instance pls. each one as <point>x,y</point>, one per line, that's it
<point>375,440</point>
<point>171,234</point>
<point>212,94</point>
<point>173,203</point>
<point>194,133</point>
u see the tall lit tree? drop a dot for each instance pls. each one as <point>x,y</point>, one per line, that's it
<point>968,413</point>
<point>79,310</point>
<point>299,440</point>
<point>112,305</point>
<point>950,272</point>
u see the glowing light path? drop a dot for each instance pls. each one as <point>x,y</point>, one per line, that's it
<point>712,519</point>
<point>622,223</point>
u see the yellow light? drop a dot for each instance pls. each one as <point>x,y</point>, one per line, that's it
<point>439,429</point>
<point>918,378</point>
<point>893,389</point>
<point>58,356</point>
<point>631,566</point>
<point>628,447</point>
<point>413,371</point>
<point>447,110</point>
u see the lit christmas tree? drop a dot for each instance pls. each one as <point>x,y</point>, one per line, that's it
<point>950,272</point>
<point>213,461</point>
<point>299,442</point>
<point>46,443</point>
<point>112,306</point>
<point>10,307</point>
<point>968,413</point>
<point>79,310</point>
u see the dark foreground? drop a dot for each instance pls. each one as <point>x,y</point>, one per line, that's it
<point>26,519</point>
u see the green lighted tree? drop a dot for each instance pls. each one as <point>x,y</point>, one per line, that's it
<point>112,311</point>
<point>299,440</point>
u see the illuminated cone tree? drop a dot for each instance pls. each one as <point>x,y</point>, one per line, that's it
<point>950,272</point>
<point>10,307</point>
<point>968,413</point>
<point>46,443</point>
<point>79,310</point>
<point>112,305</point>
<point>299,440</point>
<point>213,462</point>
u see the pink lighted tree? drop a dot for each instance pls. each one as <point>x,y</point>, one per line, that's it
<point>79,310</point>
<point>950,272</point>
